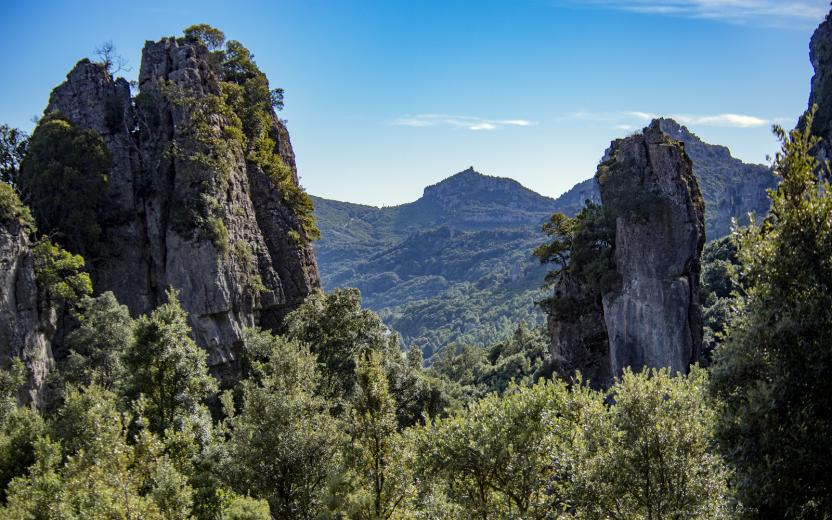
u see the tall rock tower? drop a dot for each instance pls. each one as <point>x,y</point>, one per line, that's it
<point>197,199</point>
<point>649,316</point>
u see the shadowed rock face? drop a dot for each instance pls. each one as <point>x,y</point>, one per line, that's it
<point>255,276</point>
<point>820,54</point>
<point>26,325</point>
<point>579,340</point>
<point>651,317</point>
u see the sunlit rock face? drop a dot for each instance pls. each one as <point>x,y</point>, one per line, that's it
<point>650,315</point>
<point>242,263</point>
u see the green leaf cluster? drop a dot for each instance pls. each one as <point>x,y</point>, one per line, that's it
<point>63,179</point>
<point>12,208</point>
<point>60,274</point>
<point>771,370</point>
<point>583,246</point>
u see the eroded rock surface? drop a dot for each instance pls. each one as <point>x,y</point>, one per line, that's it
<point>26,326</point>
<point>650,315</point>
<point>241,262</point>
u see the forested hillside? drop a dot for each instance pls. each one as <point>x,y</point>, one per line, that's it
<point>166,352</point>
<point>456,265</point>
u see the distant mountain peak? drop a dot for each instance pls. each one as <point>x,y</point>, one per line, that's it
<point>470,182</point>
<point>694,146</point>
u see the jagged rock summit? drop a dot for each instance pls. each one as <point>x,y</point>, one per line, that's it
<point>649,314</point>
<point>731,188</point>
<point>202,196</point>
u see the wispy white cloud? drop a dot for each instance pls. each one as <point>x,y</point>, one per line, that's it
<point>641,116</point>
<point>630,120</point>
<point>734,120</point>
<point>765,12</point>
<point>466,122</point>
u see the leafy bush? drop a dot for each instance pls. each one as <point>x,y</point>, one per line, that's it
<point>59,273</point>
<point>64,180</point>
<point>11,207</point>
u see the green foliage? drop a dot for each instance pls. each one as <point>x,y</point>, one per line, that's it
<point>643,450</point>
<point>284,444</point>
<point>521,358</point>
<point>19,432</point>
<point>719,281</point>
<point>494,459</point>
<point>218,233</point>
<point>59,273</point>
<point>246,508</point>
<point>772,369</point>
<point>13,145</point>
<point>63,179</point>
<point>338,330</point>
<point>97,347</point>
<point>11,380</point>
<point>377,482</point>
<point>19,427</point>
<point>92,471</point>
<point>583,246</point>
<point>11,207</point>
<point>168,369</point>
<point>651,453</point>
<point>203,33</point>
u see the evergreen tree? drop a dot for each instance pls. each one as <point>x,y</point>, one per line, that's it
<point>284,444</point>
<point>167,368</point>
<point>338,330</point>
<point>98,345</point>
<point>772,372</point>
<point>378,481</point>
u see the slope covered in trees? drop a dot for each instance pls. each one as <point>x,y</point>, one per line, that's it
<point>454,266</point>
<point>328,418</point>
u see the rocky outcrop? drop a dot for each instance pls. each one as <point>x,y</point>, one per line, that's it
<point>26,325</point>
<point>650,315</point>
<point>185,207</point>
<point>731,188</point>
<point>578,333</point>
<point>820,54</point>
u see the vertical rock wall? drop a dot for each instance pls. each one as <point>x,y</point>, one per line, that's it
<point>651,316</point>
<point>26,326</point>
<point>242,268</point>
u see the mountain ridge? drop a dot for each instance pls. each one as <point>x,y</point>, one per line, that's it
<point>486,226</point>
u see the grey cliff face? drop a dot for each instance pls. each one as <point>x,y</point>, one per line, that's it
<point>253,275</point>
<point>578,333</point>
<point>651,316</point>
<point>820,54</point>
<point>26,324</point>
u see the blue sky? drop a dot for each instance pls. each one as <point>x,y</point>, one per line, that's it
<point>384,98</point>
